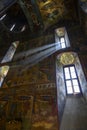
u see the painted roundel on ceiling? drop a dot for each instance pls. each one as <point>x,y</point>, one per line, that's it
<point>67,58</point>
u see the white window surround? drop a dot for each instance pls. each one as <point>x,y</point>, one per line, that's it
<point>8,57</point>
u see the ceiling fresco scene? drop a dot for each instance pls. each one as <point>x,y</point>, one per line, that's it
<point>20,20</point>
<point>35,15</point>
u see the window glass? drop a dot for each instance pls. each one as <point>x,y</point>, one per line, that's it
<point>76,86</point>
<point>75,82</point>
<point>69,87</point>
<point>68,83</point>
<point>12,27</point>
<point>67,74</point>
<point>66,69</point>
<point>63,45</point>
<point>1,18</point>
<point>73,75</point>
<point>71,80</point>
<point>72,71</point>
<point>69,90</point>
<point>76,89</point>
<point>62,40</point>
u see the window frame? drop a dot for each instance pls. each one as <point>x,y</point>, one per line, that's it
<point>62,42</point>
<point>71,79</point>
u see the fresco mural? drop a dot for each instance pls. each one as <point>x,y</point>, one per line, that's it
<point>42,15</point>
<point>16,114</point>
<point>54,11</point>
<point>43,72</point>
<point>26,111</point>
<point>51,11</point>
<point>45,114</point>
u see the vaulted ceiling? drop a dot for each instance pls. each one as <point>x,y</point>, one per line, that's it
<point>22,20</point>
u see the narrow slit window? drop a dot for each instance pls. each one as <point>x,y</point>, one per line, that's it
<point>3,17</point>
<point>8,57</point>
